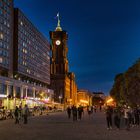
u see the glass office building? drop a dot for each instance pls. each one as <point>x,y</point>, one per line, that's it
<point>6,40</point>
<point>31,51</point>
<point>24,60</point>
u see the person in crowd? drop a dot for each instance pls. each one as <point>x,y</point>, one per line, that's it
<point>74,112</point>
<point>10,114</point>
<point>25,114</point>
<point>95,109</point>
<point>127,117</point>
<point>117,117</point>
<point>89,110</point>
<point>132,119</point>
<point>109,112</point>
<point>3,113</point>
<point>69,112</point>
<point>20,112</point>
<point>136,116</point>
<point>80,111</point>
<point>16,113</point>
<point>55,109</point>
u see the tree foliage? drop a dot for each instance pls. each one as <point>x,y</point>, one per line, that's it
<point>126,86</point>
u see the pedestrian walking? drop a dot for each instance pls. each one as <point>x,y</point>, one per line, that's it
<point>89,110</point>
<point>80,111</point>
<point>127,117</point>
<point>95,109</point>
<point>25,114</point>
<point>74,112</point>
<point>109,112</point>
<point>136,116</point>
<point>69,112</point>
<point>16,113</point>
<point>20,113</point>
<point>117,117</point>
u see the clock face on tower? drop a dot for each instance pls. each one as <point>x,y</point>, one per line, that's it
<point>58,42</point>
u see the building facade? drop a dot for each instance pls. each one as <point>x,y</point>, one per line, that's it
<point>73,89</point>
<point>84,97</point>
<point>62,81</point>
<point>6,41</point>
<point>24,60</point>
<point>31,52</point>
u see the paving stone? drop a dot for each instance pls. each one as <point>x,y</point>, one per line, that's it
<point>57,126</point>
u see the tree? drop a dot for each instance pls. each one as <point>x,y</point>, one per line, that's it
<point>117,90</point>
<point>126,88</point>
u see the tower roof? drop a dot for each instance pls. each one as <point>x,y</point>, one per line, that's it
<point>58,28</point>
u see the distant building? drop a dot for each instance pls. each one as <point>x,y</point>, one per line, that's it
<point>84,97</point>
<point>62,81</point>
<point>99,94</point>
<point>98,98</point>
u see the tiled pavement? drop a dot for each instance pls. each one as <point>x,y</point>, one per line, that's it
<point>56,126</point>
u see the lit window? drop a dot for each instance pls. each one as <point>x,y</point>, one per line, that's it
<point>1,60</point>
<point>48,57</point>
<point>1,36</point>
<point>44,54</point>
<point>24,63</point>
<point>44,63</point>
<point>28,71</point>
<point>21,23</point>
<point>8,25</point>
<point>25,51</point>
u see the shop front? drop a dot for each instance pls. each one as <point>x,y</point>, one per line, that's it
<point>16,93</point>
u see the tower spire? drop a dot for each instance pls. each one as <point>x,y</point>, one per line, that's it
<point>58,28</point>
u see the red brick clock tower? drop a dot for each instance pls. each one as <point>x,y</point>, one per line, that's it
<point>62,81</point>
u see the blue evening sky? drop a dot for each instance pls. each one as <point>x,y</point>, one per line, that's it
<point>104,35</point>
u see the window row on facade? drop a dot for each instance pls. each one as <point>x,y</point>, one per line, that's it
<point>26,92</point>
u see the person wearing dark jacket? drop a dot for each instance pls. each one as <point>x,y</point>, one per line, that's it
<point>25,114</point>
<point>74,112</point>
<point>136,116</point>
<point>109,112</point>
<point>80,111</point>
<point>69,112</point>
<point>16,113</point>
<point>117,117</point>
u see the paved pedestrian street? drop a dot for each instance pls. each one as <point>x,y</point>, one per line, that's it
<point>56,126</point>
